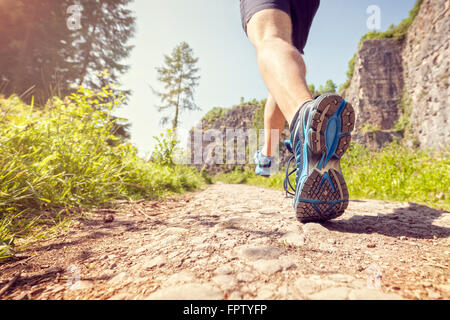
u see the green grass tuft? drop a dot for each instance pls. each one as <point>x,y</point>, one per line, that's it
<point>396,173</point>
<point>64,157</point>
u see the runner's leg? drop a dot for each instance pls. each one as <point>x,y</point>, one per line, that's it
<point>280,63</point>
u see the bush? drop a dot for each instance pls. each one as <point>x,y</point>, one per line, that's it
<point>65,156</point>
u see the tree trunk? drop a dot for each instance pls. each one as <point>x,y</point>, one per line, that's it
<point>177,107</point>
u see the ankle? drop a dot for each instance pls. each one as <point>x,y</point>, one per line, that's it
<point>265,151</point>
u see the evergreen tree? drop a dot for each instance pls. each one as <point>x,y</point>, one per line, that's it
<point>41,56</point>
<point>179,76</point>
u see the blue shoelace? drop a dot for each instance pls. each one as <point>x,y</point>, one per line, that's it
<point>287,183</point>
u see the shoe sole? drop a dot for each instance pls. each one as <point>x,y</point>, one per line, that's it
<point>324,194</point>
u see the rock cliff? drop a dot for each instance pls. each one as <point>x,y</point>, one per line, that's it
<point>405,79</point>
<point>399,88</point>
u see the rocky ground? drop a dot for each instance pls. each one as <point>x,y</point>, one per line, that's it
<point>239,242</point>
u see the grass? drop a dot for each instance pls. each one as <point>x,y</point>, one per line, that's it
<point>396,173</point>
<point>395,32</point>
<point>64,157</point>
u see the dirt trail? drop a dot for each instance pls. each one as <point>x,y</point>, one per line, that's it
<point>240,242</point>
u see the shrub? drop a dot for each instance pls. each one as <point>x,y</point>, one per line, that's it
<point>65,156</point>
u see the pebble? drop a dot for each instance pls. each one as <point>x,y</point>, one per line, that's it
<point>339,293</point>
<point>180,277</point>
<point>245,277</point>
<point>258,252</point>
<point>155,262</point>
<point>226,282</point>
<point>305,286</point>
<point>372,294</point>
<point>293,239</point>
<point>224,270</point>
<point>190,291</point>
<point>268,267</point>
<point>314,228</point>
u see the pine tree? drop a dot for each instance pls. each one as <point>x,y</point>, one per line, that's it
<point>41,56</point>
<point>101,43</point>
<point>179,76</point>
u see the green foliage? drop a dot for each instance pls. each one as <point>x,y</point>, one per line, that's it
<point>395,173</point>
<point>41,57</point>
<point>179,78</point>
<point>398,173</point>
<point>369,128</point>
<point>395,32</point>
<point>329,87</point>
<point>214,114</point>
<point>65,157</point>
<point>165,149</point>
<point>404,121</point>
<point>350,71</point>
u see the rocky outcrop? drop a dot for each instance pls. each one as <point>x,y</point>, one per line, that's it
<point>408,77</point>
<point>426,61</point>
<point>376,90</point>
<point>241,120</point>
<point>211,153</point>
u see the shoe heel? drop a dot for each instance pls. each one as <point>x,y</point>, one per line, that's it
<point>323,197</point>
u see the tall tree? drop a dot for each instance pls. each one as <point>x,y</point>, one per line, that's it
<point>101,43</point>
<point>41,56</point>
<point>179,77</point>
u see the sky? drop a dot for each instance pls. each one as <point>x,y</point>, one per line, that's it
<point>227,61</point>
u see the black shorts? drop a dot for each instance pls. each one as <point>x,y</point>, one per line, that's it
<point>302,13</point>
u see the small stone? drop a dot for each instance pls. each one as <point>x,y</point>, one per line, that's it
<point>226,282</point>
<point>345,278</point>
<point>268,267</point>
<point>119,278</point>
<point>180,277</point>
<point>306,286</point>
<point>287,263</point>
<point>433,294</point>
<point>314,228</point>
<point>108,218</point>
<point>445,288</point>
<point>224,270</point>
<point>82,285</point>
<point>371,245</point>
<point>245,277</point>
<point>155,262</point>
<point>265,294</point>
<point>258,252</point>
<point>371,294</point>
<point>340,293</point>
<point>293,239</point>
<point>144,249</point>
<point>236,295</point>
<point>190,291</point>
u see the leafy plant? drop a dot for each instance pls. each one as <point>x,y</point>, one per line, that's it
<point>395,173</point>
<point>65,156</point>
<point>164,152</point>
